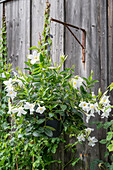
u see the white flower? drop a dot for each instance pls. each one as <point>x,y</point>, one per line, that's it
<point>34,58</point>
<point>81,137</point>
<point>8,84</point>
<point>106,113</point>
<point>11,93</point>
<point>29,106</point>
<point>92,141</point>
<point>105,100</point>
<point>93,108</point>
<point>77,82</point>
<point>85,106</point>
<point>40,109</point>
<point>19,110</point>
<point>88,130</point>
<point>87,118</point>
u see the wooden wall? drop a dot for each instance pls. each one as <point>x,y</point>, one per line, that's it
<point>25,19</point>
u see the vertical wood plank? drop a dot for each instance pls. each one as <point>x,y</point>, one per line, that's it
<point>57,30</point>
<point>73,15</point>
<point>1,13</point>
<point>110,53</point>
<point>92,16</point>
<point>18,31</point>
<point>37,22</point>
<point>103,64</point>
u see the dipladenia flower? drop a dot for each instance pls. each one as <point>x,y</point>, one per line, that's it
<point>40,109</point>
<point>81,137</point>
<point>88,130</point>
<point>92,141</point>
<point>105,100</point>
<point>19,111</point>
<point>93,108</point>
<point>77,82</point>
<point>34,57</point>
<point>106,113</point>
<point>29,106</point>
<point>85,106</point>
<point>11,93</point>
<point>8,84</point>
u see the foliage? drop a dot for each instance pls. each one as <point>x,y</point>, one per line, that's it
<point>108,141</point>
<point>41,104</point>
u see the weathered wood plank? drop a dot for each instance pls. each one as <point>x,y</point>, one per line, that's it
<point>92,16</point>
<point>18,31</point>
<point>57,30</point>
<point>1,14</point>
<point>37,20</point>
<point>103,63</point>
<point>73,15</point>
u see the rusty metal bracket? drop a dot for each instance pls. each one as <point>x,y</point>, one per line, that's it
<point>67,25</point>
<point>1,1</point>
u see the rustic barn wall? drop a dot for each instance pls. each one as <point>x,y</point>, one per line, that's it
<point>25,19</point>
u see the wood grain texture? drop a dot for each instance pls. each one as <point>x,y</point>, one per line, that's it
<point>37,20</point>
<point>1,13</point>
<point>18,31</point>
<point>57,30</point>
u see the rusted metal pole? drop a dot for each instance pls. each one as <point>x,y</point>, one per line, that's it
<point>75,37</point>
<point>70,25</point>
<point>83,36</point>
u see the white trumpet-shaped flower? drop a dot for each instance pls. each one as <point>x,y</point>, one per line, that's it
<point>77,82</point>
<point>85,106</point>
<point>8,84</point>
<point>19,111</point>
<point>11,93</point>
<point>34,57</point>
<point>81,137</point>
<point>40,109</point>
<point>30,106</point>
<point>88,130</point>
<point>92,141</point>
<point>106,113</point>
<point>105,100</point>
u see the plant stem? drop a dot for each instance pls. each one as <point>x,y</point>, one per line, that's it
<point>33,158</point>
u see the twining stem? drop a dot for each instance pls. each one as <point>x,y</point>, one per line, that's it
<point>16,160</point>
<point>33,158</point>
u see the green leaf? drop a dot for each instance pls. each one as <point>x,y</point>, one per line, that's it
<point>110,147</point>
<point>106,154</point>
<point>109,136</point>
<point>41,58</point>
<point>75,161</point>
<point>90,77</point>
<point>53,150</point>
<point>35,134</point>
<point>40,121</point>
<point>48,132</point>
<point>103,141</point>
<point>51,128</point>
<point>63,107</point>
<point>33,48</point>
